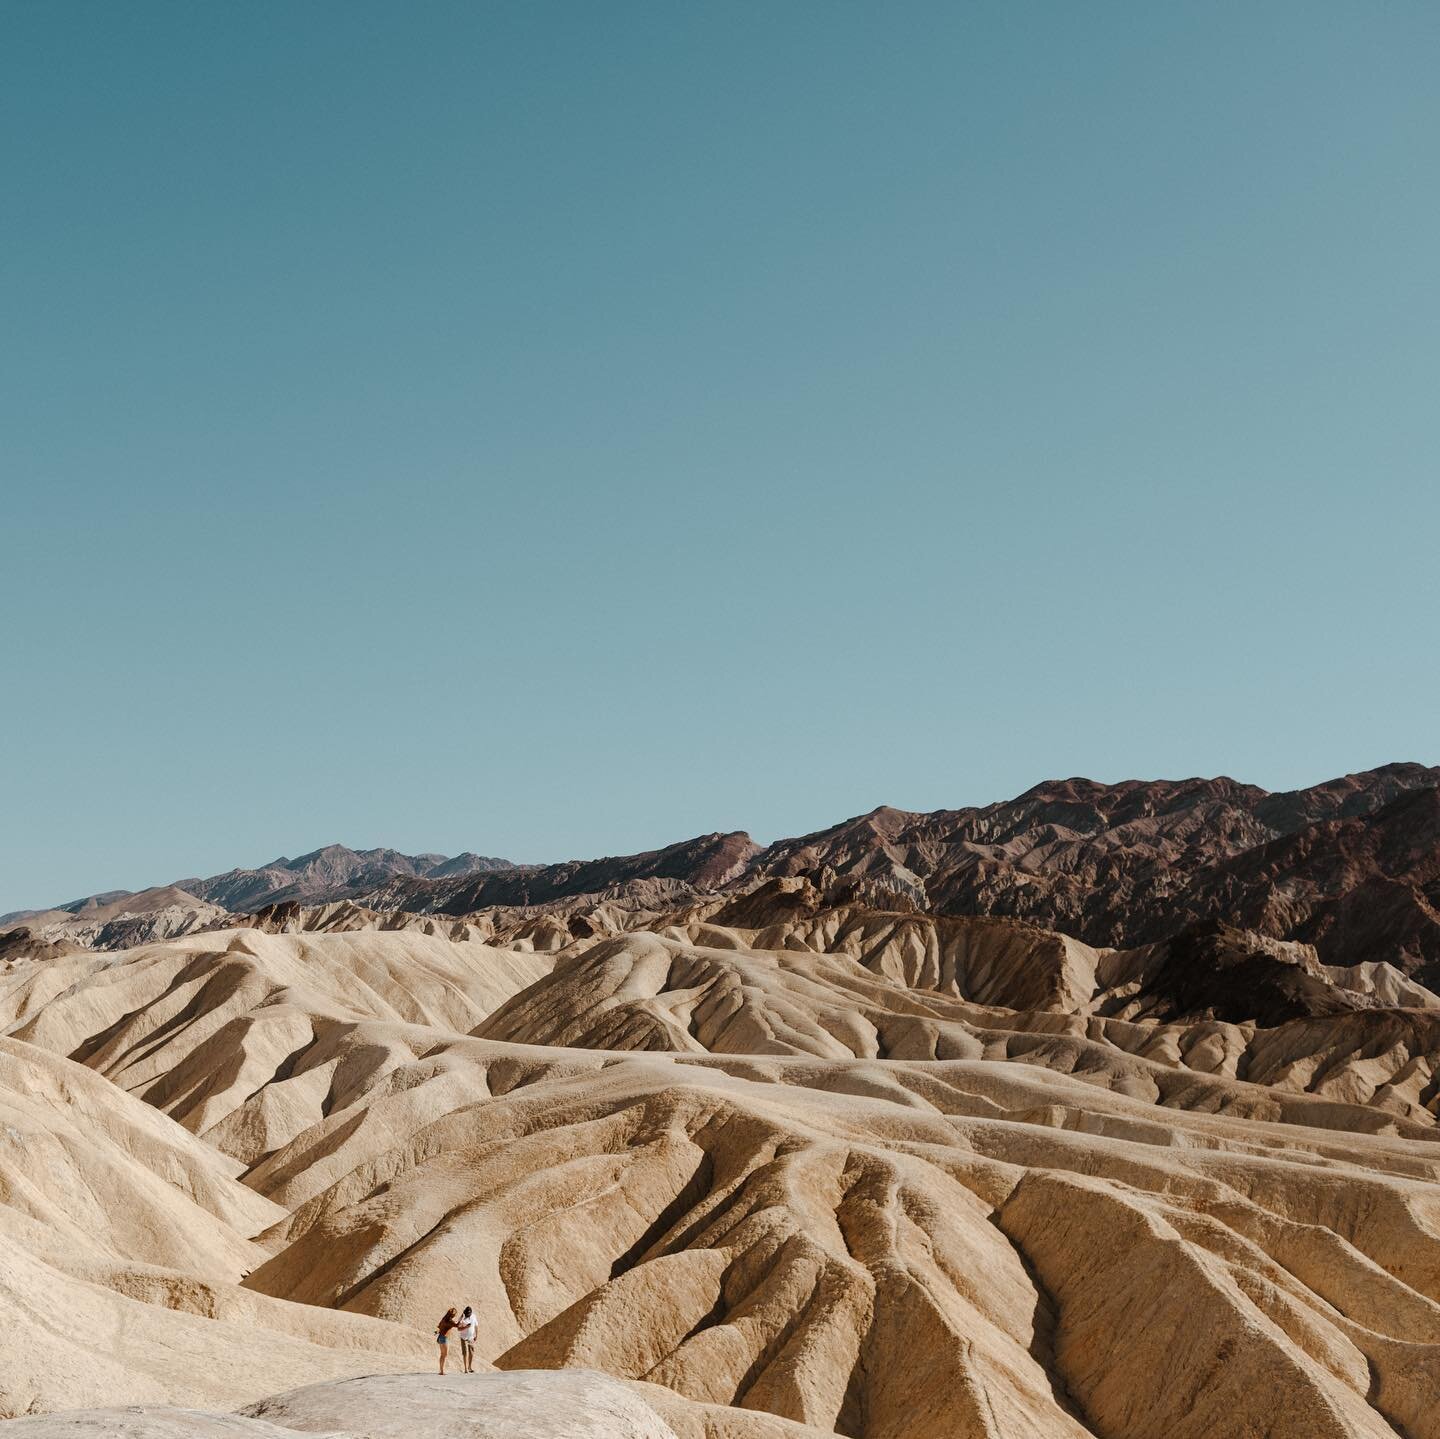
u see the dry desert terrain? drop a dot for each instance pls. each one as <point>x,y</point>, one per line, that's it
<point>769,1160</point>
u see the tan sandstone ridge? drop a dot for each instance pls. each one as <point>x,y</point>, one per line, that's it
<point>774,1168</point>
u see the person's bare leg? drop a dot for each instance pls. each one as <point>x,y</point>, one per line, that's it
<point>443,1348</point>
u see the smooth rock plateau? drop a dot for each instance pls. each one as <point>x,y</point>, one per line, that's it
<point>575,1404</point>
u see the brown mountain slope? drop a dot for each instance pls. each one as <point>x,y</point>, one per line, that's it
<point>709,862</point>
<point>1131,863</point>
<point>333,872</point>
<point>1350,865</point>
<point>1355,888</point>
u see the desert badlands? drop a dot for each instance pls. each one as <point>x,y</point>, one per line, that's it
<point>1110,1112</point>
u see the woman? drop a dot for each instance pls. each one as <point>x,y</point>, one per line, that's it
<point>442,1334</point>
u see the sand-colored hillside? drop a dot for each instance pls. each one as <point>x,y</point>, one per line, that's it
<point>703,990</point>
<point>816,1170</point>
<point>834,1249</point>
<point>198,1025</point>
<point>122,1243</point>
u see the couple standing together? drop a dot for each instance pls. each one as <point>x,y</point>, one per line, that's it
<point>464,1329</point>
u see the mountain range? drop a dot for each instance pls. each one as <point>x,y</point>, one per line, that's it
<point>1350,866</point>
<point>1107,1112</point>
<point>330,873</point>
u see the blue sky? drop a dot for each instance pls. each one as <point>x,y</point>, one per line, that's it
<point>559,429</point>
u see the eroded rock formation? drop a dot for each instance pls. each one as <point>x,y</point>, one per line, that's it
<point>779,1165</point>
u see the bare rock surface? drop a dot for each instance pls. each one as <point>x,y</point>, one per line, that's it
<point>141,1422</point>
<point>571,1404</point>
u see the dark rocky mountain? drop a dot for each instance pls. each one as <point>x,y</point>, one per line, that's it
<point>463,864</point>
<point>88,905</point>
<point>707,863</point>
<point>1351,866</point>
<point>332,873</point>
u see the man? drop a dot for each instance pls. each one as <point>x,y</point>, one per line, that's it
<point>465,1327</point>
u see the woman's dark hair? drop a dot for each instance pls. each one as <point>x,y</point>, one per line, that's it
<point>447,1321</point>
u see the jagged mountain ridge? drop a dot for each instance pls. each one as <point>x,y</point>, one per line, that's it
<point>333,872</point>
<point>330,873</point>
<point>707,863</point>
<point>1351,866</point>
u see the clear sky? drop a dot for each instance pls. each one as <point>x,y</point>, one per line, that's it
<point>558,429</point>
